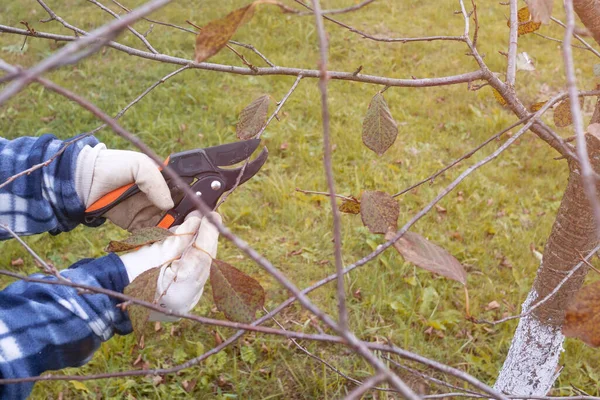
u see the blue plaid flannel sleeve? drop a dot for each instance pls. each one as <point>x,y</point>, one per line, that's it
<point>48,327</point>
<point>46,199</point>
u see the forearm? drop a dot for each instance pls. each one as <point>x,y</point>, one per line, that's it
<point>45,199</point>
<point>48,327</point>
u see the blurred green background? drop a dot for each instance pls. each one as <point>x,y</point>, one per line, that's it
<point>489,223</point>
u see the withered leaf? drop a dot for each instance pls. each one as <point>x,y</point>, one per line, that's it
<point>253,118</point>
<point>236,294</point>
<point>379,211</point>
<point>562,113</point>
<point>499,97</point>
<point>350,206</point>
<point>541,10</point>
<point>421,252</point>
<point>537,106</point>
<point>379,127</point>
<point>142,288</point>
<point>582,319</point>
<point>215,35</point>
<point>138,238</point>
<point>526,23</point>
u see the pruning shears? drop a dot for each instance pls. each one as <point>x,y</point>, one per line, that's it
<point>200,169</point>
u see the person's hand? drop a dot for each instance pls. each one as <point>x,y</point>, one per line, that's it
<point>185,260</point>
<point>100,171</point>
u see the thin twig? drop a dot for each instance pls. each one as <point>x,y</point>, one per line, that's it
<point>339,196</point>
<point>130,28</point>
<point>49,269</point>
<point>327,164</point>
<point>385,39</point>
<point>578,37</point>
<point>367,385</point>
<point>340,10</point>
<point>280,105</point>
<point>432,177</point>
<point>319,359</point>
<point>548,296</point>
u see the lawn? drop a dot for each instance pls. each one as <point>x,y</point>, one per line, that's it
<point>489,224</point>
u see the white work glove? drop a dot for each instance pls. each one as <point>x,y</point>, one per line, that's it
<point>100,171</point>
<point>181,282</point>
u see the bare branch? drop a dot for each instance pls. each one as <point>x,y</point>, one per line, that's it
<point>340,10</point>
<point>280,105</point>
<point>131,29</point>
<point>306,73</point>
<point>339,196</point>
<point>385,39</point>
<point>511,68</point>
<point>337,231</point>
<point>578,37</point>
<point>367,385</point>
<point>49,269</point>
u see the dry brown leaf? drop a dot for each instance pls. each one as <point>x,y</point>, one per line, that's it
<point>253,118</point>
<point>379,211</point>
<point>17,262</point>
<point>582,319</point>
<point>421,252</point>
<point>142,288</point>
<point>350,206</point>
<point>236,294</point>
<point>379,127</point>
<point>215,35</point>
<point>537,106</point>
<point>499,97</point>
<point>138,238</point>
<point>541,10</point>
<point>562,113</point>
<point>492,305</point>
<point>526,23</point>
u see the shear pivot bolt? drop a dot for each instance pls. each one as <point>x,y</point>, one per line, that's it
<point>198,194</point>
<point>215,185</point>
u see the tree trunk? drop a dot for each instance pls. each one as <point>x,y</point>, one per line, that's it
<point>531,366</point>
<point>588,12</point>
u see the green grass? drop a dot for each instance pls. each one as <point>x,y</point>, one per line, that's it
<point>504,207</point>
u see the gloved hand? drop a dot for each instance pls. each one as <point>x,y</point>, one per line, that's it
<point>100,171</point>
<point>185,259</point>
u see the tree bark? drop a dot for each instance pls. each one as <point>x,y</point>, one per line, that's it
<point>531,366</point>
<point>589,13</point>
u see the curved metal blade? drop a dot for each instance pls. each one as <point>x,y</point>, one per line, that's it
<point>231,153</point>
<point>232,175</point>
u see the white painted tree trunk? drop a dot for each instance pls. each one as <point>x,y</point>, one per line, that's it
<point>531,365</point>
